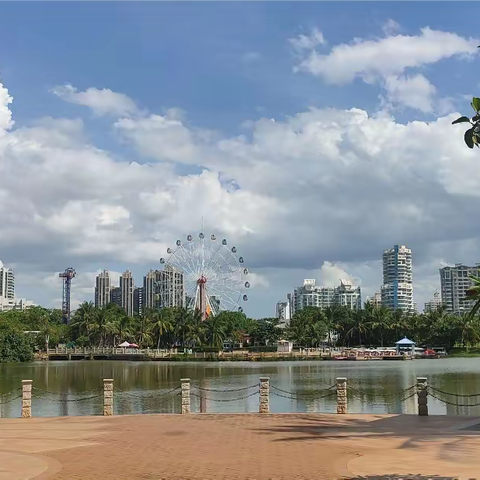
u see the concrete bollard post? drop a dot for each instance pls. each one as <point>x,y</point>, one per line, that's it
<point>264,401</point>
<point>108,396</point>
<point>341,395</point>
<point>185,382</point>
<point>422,395</point>
<point>27,398</point>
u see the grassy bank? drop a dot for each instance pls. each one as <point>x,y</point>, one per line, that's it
<point>460,352</point>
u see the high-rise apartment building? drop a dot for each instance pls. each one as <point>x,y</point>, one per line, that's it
<point>103,287</point>
<point>7,282</point>
<point>170,287</point>
<point>455,281</point>
<point>283,312</point>
<point>376,300</point>
<point>397,288</point>
<point>116,296</point>
<point>310,295</point>
<point>347,295</point>
<point>434,303</point>
<point>150,298</point>
<point>138,300</point>
<point>127,286</point>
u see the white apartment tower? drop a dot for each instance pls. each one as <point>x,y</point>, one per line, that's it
<point>103,287</point>
<point>7,282</point>
<point>283,312</point>
<point>397,288</point>
<point>127,287</point>
<point>310,295</point>
<point>455,281</point>
<point>170,287</point>
<point>434,303</point>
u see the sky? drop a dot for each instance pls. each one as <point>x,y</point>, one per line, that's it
<point>311,135</point>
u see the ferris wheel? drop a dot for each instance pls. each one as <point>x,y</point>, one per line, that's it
<point>205,274</point>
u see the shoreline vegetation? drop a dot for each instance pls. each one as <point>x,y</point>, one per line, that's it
<point>26,333</point>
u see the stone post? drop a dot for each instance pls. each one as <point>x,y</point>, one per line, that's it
<point>341,394</point>
<point>422,395</point>
<point>108,396</point>
<point>264,401</point>
<point>26,398</point>
<point>185,382</point>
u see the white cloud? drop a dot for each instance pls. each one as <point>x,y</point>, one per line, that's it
<point>5,113</point>
<point>330,275</point>
<point>102,102</point>
<point>385,61</point>
<point>390,27</point>
<point>308,42</point>
<point>368,59</point>
<point>324,185</point>
<point>414,92</point>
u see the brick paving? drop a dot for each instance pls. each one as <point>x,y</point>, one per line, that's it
<point>240,447</point>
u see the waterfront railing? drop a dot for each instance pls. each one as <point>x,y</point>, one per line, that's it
<point>105,396</point>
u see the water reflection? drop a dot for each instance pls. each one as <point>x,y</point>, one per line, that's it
<point>140,387</point>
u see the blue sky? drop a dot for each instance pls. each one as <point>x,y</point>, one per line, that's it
<point>227,66</point>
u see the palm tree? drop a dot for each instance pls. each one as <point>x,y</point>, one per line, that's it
<point>84,319</point>
<point>360,326</point>
<point>473,293</point>
<point>195,328</point>
<point>469,330</point>
<point>161,323</point>
<point>143,332</point>
<point>378,319</point>
<point>215,332</point>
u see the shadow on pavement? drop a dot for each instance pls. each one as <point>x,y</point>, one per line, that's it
<point>402,477</point>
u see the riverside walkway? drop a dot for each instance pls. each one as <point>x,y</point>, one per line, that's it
<point>240,447</point>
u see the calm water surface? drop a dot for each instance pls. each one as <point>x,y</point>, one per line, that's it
<point>143,387</point>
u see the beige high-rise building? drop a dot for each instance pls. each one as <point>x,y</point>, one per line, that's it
<point>455,281</point>
<point>127,287</point>
<point>149,292</point>
<point>103,287</point>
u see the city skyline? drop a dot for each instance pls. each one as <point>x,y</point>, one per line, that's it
<point>305,138</point>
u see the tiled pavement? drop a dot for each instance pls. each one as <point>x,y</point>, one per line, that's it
<point>240,447</point>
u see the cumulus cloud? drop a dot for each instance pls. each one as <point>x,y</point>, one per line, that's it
<point>414,92</point>
<point>390,27</point>
<point>307,42</point>
<point>319,186</point>
<point>385,61</point>
<point>5,113</point>
<point>101,102</point>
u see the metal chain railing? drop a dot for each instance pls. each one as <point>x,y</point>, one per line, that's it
<point>10,392</point>
<point>454,404</point>
<point>10,400</point>
<point>67,400</point>
<point>50,392</point>
<point>224,400</point>
<point>299,397</point>
<point>306,394</point>
<point>225,390</point>
<point>153,394</point>
<point>453,394</point>
<point>353,389</point>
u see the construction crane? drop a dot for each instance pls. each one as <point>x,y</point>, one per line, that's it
<point>66,276</point>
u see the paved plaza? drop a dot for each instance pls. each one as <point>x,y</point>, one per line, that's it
<point>240,447</point>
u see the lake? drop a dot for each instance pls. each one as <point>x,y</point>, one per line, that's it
<point>145,387</point>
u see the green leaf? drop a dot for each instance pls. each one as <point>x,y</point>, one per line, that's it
<point>476,104</point>
<point>469,137</point>
<point>461,120</point>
